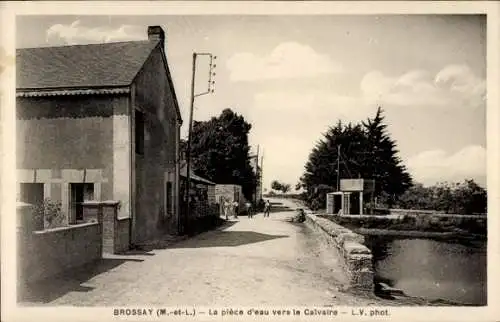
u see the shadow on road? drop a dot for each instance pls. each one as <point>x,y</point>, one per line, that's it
<point>168,241</point>
<point>227,239</point>
<point>48,290</point>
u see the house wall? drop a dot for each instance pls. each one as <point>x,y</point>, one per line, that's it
<point>230,192</point>
<point>72,139</point>
<point>211,195</point>
<point>153,97</point>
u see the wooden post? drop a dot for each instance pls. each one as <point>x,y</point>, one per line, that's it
<point>361,202</point>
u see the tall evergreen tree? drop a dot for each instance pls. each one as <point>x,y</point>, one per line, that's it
<point>382,162</point>
<point>326,166</point>
<point>366,151</point>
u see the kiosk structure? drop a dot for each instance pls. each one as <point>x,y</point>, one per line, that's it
<point>350,198</point>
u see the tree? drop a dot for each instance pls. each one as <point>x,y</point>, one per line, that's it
<point>321,174</point>
<point>278,186</point>
<point>275,185</point>
<point>458,198</point>
<point>381,161</point>
<point>416,197</point>
<point>469,198</point>
<point>220,151</point>
<point>366,151</point>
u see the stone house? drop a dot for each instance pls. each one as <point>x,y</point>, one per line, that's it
<point>101,122</point>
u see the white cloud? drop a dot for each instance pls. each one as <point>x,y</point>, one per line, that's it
<point>288,123</point>
<point>453,86</point>
<point>291,121</point>
<point>287,60</point>
<point>430,167</point>
<point>76,33</point>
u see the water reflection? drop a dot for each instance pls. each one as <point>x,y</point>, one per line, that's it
<point>432,269</point>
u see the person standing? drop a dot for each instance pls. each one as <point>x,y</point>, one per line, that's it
<point>227,208</point>
<point>267,208</point>
<point>235,209</point>
<point>248,208</point>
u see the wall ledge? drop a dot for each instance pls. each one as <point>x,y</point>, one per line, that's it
<point>70,227</point>
<point>356,259</point>
<point>96,203</point>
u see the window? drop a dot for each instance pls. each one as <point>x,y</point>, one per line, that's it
<point>168,199</point>
<point>80,192</point>
<point>31,193</point>
<point>139,132</point>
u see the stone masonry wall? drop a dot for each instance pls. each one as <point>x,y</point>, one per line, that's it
<point>115,231</point>
<point>211,195</point>
<point>42,254</point>
<point>355,257</point>
<point>122,235</point>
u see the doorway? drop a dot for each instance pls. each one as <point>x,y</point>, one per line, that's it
<point>355,210</point>
<point>337,203</point>
<point>79,192</point>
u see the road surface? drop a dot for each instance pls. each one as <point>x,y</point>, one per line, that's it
<point>259,261</point>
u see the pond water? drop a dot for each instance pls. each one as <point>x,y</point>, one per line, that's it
<point>453,271</point>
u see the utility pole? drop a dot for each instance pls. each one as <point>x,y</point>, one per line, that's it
<point>257,172</point>
<point>338,167</point>
<point>261,174</point>
<point>210,89</point>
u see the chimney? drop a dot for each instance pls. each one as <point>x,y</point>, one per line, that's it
<point>156,33</point>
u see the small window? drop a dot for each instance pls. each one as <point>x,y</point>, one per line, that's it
<point>168,199</point>
<point>80,192</point>
<point>31,193</point>
<point>139,132</point>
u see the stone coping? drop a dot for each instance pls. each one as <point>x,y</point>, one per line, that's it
<point>96,203</point>
<point>20,204</point>
<point>433,213</point>
<point>356,258</point>
<point>70,227</point>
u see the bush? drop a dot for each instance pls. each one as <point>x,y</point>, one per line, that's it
<point>455,198</point>
<point>52,214</point>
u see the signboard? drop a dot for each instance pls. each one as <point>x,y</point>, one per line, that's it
<point>357,185</point>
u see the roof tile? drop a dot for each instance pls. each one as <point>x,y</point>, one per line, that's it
<point>93,65</point>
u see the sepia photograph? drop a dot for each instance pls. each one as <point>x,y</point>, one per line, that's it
<point>313,166</point>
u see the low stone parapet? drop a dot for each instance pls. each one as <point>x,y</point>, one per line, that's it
<point>356,258</point>
<point>115,231</point>
<point>46,253</point>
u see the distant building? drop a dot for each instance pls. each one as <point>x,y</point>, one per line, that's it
<point>202,193</point>
<point>101,122</point>
<point>230,192</point>
<point>350,199</point>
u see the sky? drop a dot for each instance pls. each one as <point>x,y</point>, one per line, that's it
<point>293,76</point>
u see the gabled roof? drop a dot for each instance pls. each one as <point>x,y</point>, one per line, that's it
<point>194,177</point>
<point>81,66</point>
